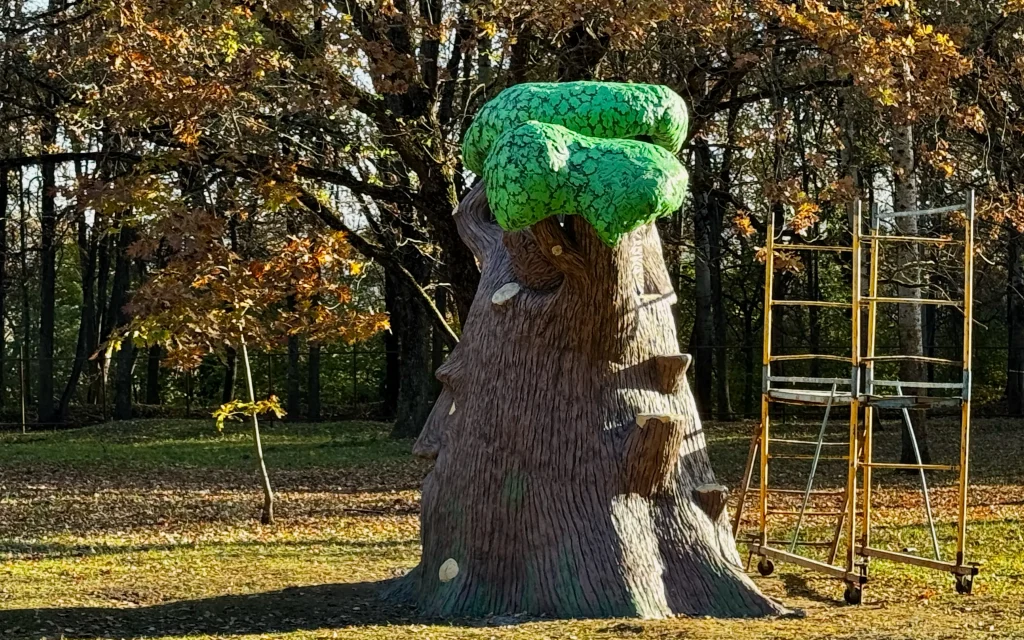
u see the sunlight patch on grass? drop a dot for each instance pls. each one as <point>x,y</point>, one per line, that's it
<point>149,529</point>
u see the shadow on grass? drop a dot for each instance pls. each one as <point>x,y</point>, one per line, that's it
<point>797,585</point>
<point>272,612</point>
<point>50,550</point>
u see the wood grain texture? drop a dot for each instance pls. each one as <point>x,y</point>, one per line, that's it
<point>545,490</point>
<point>712,499</point>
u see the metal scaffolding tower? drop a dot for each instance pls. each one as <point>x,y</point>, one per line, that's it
<point>861,394</point>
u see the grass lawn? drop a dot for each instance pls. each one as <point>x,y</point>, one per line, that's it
<point>150,529</point>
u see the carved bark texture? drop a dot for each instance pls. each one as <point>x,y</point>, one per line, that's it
<point>712,499</point>
<point>652,450</point>
<point>565,475</point>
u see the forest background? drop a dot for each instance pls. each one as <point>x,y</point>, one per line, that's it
<point>185,178</point>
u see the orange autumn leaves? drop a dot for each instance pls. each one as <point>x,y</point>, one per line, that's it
<point>802,213</point>
<point>905,65</point>
<point>207,297</point>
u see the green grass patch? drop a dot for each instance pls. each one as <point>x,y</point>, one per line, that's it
<point>149,529</point>
<point>155,444</point>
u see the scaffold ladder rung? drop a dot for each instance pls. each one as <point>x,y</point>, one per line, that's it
<point>813,247</point>
<point>910,465</point>
<point>926,359</point>
<point>921,239</point>
<point>939,302</point>
<point>808,442</point>
<point>921,212</point>
<point>808,356</point>
<point>812,303</point>
<point>918,385</point>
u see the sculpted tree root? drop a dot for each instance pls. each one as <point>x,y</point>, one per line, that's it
<point>571,477</point>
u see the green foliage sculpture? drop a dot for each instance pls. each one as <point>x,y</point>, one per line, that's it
<point>596,109</point>
<point>537,170</point>
<point>572,149</point>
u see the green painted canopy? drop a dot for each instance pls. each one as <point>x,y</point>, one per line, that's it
<point>545,149</point>
<point>539,170</point>
<point>598,109</point>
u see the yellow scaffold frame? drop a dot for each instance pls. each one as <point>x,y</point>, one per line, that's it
<point>863,401</point>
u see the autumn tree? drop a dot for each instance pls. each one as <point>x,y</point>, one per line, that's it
<point>207,299</point>
<point>360,106</point>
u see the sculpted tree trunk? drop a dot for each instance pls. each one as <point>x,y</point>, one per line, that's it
<point>571,476</point>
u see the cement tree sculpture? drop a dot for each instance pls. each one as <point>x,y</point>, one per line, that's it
<point>571,477</point>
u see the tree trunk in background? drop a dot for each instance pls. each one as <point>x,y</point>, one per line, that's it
<point>293,386</point>
<point>1015,324</point>
<point>48,274</point>
<point>313,384</point>
<point>227,392</point>
<point>780,287</point>
<point>749,373</point>
<point>87,245</point>
<point>484,74</point>
<point>813,317</point>
<point>26,306</point>
<point>437,351</point>
<point>780,279</point>
<point>931,327</point>
<point>293,391</point>
<point>723,398</point>
<point>108,230</point>
<point>703,324</point>
<point>119,294</point>
<point>851,165</point>
<point>99,365</point>
<point>723,401</point>
<point>571,477</point>
<point>4,201</point>
<point>911,335</point>
<point>412,326</point>
<point>125,359</point>
<point>392,364</point>
<point>153,356</point>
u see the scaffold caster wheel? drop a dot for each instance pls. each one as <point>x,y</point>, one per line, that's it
<point>853,592</point>
<point>765,567</point>
<point>964,584</point>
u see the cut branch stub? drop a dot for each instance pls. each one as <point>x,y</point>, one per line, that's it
<point>671,371</point>
<point>505,293</point>
<point>712,499</point>
<point>652,451</point>
<point>558,248</point>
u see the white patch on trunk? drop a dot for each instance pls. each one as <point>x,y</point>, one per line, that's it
<point>449,569</point>
<point>504,294</point>
<point>643,418</point>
